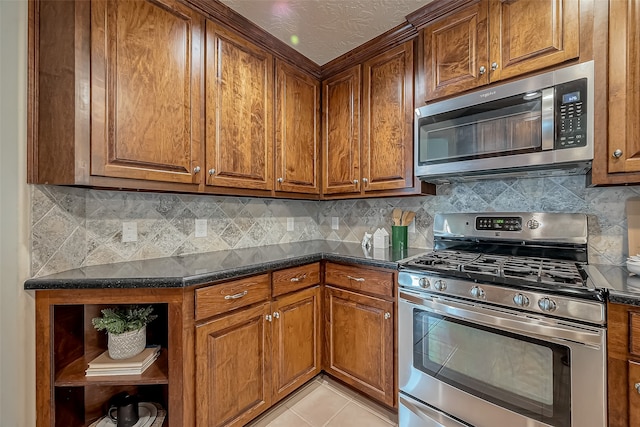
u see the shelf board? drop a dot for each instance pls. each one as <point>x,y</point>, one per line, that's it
<point>73,375</point>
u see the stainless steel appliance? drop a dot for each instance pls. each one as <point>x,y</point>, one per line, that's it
<point>539,125</point>
<point>500,325</point>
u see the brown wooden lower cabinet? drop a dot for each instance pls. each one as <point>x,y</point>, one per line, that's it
<point>358,347</point>
<point>232,368</point>
<point>248,360</point>
<point>623,349</point>
<point>296,340</point>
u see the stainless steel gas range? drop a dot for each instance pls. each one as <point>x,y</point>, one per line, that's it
<point>500,325</point>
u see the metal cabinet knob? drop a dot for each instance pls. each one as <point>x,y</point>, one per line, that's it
<point>482,70</point>
<point>494,66</point>
<point>365,180</point>
<point>617,154</point>
<point>355,181</point>
<point>387,315</point>
<point>268,318</point>
<point>280,180</point>
<point>212,172</point>
<point>276,315</point>
<point>196,169</point>
<point>637,386</point>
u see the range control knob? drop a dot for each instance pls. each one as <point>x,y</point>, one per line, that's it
<point>424,283</point>
<point>477,292</point>
<point>440,285</point>
<point>521,300</point>
<point>547,304</point>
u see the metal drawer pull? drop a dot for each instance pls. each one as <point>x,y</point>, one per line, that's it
<point>357,279</point>
<point>637,386</point>
<point>297,279</point>
<point>236,296</point>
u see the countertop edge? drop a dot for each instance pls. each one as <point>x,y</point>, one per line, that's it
<point>36,284</point>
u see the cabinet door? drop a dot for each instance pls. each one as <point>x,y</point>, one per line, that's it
<point>624,86</point>
<point>341,132</point>
<point>232,368</point>
<point>387,120</point>
<point>634,393</point>
<point>359,342</point>
<point>528,35</point>
<point>239,111</point>
<point>456,52</point>
<point>145,90</point>
<point>296,340</point>
<point>297,140</point>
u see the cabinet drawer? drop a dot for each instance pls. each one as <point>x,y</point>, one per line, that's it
<point>360,279</point>
<point>228,296</point>
<point>295,278</point>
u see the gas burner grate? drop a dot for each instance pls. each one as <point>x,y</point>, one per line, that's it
<point>508,268</point>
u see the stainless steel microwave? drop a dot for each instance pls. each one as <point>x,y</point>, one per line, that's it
<point>541,125</point>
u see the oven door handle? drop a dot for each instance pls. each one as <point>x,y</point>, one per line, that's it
<point>514,322</point>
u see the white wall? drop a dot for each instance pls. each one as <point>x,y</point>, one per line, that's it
<point>17,317</point>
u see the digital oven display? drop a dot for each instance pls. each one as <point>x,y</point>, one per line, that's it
<point>509,223</point>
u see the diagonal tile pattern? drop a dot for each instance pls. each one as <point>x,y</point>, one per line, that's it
<point>74,227</point>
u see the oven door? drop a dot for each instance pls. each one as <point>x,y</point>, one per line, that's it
<point>490,366</point>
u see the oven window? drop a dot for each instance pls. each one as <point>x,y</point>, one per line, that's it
<point>525,375</point>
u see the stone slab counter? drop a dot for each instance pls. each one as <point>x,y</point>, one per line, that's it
<point>189,270</point>
<point>623,287</point>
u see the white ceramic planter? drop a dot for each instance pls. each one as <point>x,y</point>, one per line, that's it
<point>128,344</point>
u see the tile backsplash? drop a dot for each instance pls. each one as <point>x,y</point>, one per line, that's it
<point>73,227</point>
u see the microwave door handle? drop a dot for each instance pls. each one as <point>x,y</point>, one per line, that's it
<point>548,119</point>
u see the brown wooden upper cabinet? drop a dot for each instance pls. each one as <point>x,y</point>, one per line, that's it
<point>369,147</point>
<point>493,40</point>
<point>341,132</point>
<point>145,90</point>
<point>238,111</point>
<point>624,86</point>
<point>297,137</point>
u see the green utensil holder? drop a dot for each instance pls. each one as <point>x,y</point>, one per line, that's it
<point>399,238</point>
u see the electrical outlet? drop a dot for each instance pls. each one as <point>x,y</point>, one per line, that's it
<point>129,232</point>
<point>335,223</point>
<point>201,228</point>
<point>412,227</point>
<point>290,224</point>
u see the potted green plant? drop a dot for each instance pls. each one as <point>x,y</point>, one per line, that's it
<point>126,328</point>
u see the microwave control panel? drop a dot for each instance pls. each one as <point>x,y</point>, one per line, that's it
<point>571,114</point>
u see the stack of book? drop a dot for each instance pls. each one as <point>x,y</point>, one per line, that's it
<point>136,365</point>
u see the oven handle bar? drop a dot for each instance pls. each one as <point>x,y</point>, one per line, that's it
<point>541,328</point>
<point>427,414</point>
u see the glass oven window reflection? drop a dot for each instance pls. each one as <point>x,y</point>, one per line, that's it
<point>525,375</point>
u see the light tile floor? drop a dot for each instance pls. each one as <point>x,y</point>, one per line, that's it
<point>325,403</point>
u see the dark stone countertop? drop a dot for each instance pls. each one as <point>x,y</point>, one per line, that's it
<point>623,287</point>
<point>188,270</point>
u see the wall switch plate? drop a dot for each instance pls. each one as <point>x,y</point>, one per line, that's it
<point>335,223</point>
<point>412,227</point>
<point>290,224</point>
<point>129,231</point>
<point>201,228</point>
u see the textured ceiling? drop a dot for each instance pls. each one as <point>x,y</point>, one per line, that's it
<point>322,30</point>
